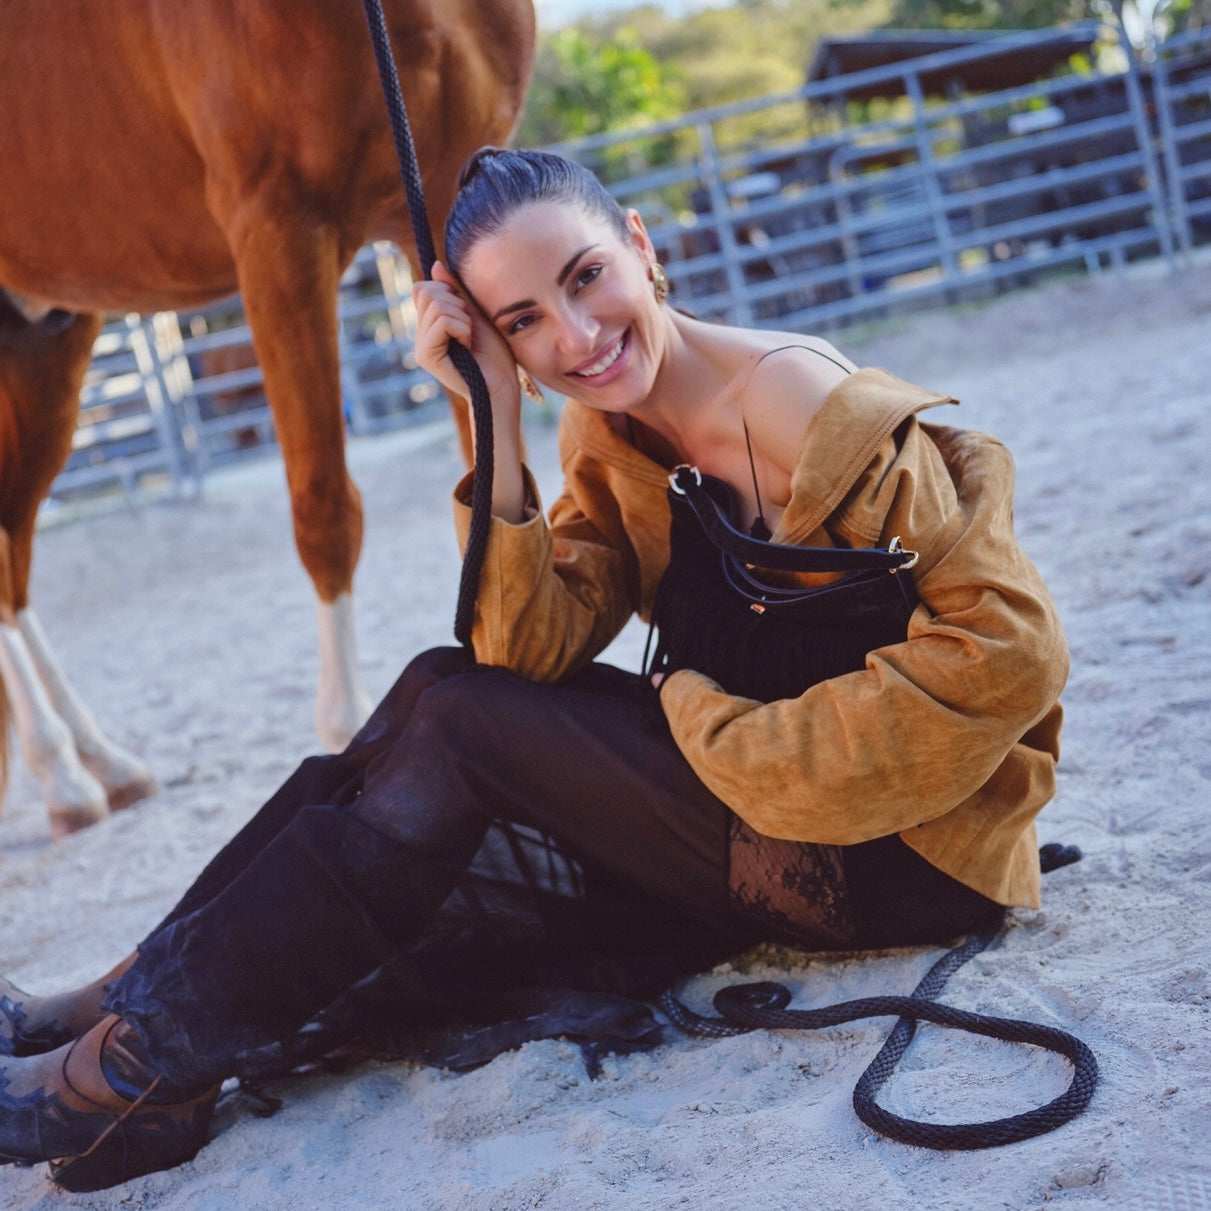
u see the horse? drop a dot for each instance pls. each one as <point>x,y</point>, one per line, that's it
<point>158,156</point>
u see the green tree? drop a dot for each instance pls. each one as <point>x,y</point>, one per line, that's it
<point>990,14</point>
<point>583,86</point>
<point>746,49</point>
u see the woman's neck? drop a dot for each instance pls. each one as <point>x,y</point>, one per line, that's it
<point>691,387</point>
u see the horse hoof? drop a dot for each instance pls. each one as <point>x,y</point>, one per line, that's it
<point>131,792</point>
<point>125,777</point>
<point>67,820</point>
<point>76,800</point>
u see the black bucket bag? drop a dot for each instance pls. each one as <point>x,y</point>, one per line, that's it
<point>752,629</point>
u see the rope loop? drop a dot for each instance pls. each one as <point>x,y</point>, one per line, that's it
<point>747,1007</point>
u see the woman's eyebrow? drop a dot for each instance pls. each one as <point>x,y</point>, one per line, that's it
<point>559,281</point>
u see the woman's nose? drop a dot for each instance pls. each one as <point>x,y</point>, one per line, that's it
<point>578,331</point>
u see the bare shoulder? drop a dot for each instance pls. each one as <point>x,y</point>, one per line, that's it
<point>789,382</point>
<point>804,365</point>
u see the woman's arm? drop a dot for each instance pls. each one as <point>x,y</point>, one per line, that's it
<point>929,720</point>
<point>551,596</point>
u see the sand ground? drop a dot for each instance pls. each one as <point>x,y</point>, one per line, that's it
<point>190,629</point>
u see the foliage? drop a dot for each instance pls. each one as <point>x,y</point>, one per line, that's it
<point>1185,15</point>
<point>990,14</point>
<point>625,70</point>
<point>709,57</point>
<point>583,87</point>
<point>1036,14</point>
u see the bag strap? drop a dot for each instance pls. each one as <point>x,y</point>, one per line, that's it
<point>686,481</point>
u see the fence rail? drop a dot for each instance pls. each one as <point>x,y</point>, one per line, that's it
<point>805,210</point>
<point>169,396</point>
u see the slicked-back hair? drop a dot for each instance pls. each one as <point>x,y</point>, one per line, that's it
<point>496,182</point>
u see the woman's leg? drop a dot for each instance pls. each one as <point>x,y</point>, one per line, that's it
<point>32,1024</point>
<point>344,886</point>
<point>899,899</point>
<point>327,778</point>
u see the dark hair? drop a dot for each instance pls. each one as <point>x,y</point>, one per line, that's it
<point>496,182</point>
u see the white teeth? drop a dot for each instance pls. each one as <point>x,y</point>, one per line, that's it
<point>600,367</point>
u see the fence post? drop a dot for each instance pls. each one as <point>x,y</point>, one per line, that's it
<point>930,179</point>
<point>1143,134</point>
<point>741,310</point>
<point>161,398</point>
<point>1168,137</point>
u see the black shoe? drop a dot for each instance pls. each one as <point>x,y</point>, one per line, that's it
<point>97,1112</point>
<point>17,1035</point>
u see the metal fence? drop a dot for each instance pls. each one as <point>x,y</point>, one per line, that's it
<point>170,396</point>
<point>841,200</point>
<point>813,208</point>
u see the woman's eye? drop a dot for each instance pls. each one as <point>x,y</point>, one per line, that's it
<point>588,274</point>
<point>520,323</point>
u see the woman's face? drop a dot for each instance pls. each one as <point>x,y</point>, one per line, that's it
<point>572,298</point>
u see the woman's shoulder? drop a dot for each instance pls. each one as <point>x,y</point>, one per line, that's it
<point>785,384</point>
<point>797,371</point>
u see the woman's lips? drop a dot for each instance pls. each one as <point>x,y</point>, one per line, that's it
<point>602,364</point>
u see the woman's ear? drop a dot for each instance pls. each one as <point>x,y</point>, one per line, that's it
<point>639,236</point>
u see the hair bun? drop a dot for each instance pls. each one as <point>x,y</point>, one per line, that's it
<point>471,167</point>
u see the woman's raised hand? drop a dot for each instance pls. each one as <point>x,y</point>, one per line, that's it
<point>444,314</point>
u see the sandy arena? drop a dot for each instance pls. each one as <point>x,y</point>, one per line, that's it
<point>189,628</point>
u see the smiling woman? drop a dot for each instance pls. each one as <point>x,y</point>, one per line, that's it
<point>524,817</point>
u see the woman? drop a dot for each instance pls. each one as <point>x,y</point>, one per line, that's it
<point>495,820</point>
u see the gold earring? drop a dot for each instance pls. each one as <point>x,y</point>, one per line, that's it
<point>529,386</point>
<point>660,281</point>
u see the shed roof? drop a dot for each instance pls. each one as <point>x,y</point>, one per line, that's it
<point>1025,56</point>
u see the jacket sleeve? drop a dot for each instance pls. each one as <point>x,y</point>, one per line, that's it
<point>551,596</point>
<point>927,721</point>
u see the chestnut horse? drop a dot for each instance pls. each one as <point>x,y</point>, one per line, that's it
<point>159,155</point>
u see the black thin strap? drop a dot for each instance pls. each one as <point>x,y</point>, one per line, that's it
<point>779,557</point>
<point>807,349</point>
<point>760,527</point>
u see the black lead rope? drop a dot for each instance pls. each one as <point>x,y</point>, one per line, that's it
<point>481,406</point>
<point>747,1007</point>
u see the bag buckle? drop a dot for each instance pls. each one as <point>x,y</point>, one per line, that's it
<point>677,471</point>
<point>896,547</point>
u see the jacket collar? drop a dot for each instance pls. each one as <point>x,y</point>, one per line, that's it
<point>856,418</point>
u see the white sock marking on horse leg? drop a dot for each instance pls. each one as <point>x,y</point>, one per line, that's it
<point>74,798</point>
<point>341,704</point>
<point>126,778</point>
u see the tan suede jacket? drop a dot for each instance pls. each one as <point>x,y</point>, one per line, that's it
<point>949,738</point>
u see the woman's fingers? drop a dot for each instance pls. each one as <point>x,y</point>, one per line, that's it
<point>443,314</point>
<point>443,276</point>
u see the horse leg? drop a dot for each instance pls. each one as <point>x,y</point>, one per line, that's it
<point>125,777</point>
<point>41,369</point>
<point>74,798</point>
<point>289,272</point>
